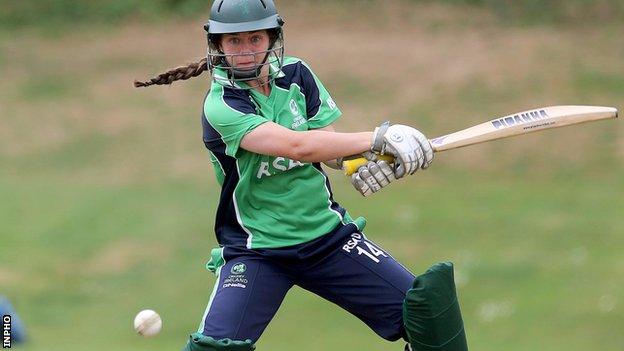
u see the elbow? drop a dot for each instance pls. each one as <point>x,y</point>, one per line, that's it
<point>299,151</point>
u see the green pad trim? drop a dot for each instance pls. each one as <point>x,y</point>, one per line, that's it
<point>200,342</point>
<point>431,313</point>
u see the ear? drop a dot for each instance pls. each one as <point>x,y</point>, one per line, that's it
<point>216,40</point>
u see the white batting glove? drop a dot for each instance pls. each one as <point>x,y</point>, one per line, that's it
<point>410,147</point>
<point>373,176</point>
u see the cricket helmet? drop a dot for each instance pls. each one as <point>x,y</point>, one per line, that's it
<point>235,16</point>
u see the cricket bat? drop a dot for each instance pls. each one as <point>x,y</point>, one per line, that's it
<point>515,124</point>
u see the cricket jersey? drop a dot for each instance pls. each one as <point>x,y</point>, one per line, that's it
<point>268,201</point>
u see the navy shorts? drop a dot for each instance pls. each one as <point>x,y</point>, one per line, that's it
<point>342,267</point>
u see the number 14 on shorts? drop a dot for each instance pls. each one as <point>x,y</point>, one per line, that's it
<point>363,247</point>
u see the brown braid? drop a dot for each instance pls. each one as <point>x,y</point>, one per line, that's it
<point>179,73</point>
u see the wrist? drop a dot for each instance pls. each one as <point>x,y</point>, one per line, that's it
<point>377,142</point>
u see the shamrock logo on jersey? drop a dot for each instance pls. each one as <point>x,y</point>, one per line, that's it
<point>239,268</point>
<point>294,108</point>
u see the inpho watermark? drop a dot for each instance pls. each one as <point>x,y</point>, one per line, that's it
<point>6,331</point>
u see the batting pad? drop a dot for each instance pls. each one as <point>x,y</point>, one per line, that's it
<point>200,342</point>
<point>431,312</point>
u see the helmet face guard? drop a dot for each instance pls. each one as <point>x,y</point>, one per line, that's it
<point>237,16</point>
<point>273,61</point>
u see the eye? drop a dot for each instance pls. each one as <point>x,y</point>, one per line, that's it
<point>256,39</point>
<point>234,41</point>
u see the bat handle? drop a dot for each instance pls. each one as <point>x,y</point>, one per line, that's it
<point>351,166</point>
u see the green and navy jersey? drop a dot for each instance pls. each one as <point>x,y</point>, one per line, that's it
<point>268,201</point>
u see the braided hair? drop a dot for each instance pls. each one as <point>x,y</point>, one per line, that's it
<point>179,73</point>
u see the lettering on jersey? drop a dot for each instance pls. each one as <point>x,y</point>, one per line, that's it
<point>520,118</point>
<point>331,103</point>
<point>297,122</point>
<point>278,165</point>
<point>298,119</point>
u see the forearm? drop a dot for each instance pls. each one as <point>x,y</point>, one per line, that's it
<point>333,163</point>
<point>318,146</point>
<point>306,146</point>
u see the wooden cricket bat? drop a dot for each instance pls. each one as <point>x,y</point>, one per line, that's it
<point>503,127</point>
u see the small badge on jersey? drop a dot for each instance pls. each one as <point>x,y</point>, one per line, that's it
<point>294,108</point>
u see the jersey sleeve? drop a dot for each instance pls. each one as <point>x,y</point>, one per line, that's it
<point>320,107</point>
<point>230,115</point>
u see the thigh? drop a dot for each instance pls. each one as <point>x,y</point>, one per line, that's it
<point>362,278</point>
<point>246,296</point>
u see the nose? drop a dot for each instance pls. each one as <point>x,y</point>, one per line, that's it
<point>246,47</point>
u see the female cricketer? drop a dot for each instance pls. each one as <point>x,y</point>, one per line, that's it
<point>267,122</point>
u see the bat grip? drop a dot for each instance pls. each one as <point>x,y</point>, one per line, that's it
<point>351,166</point>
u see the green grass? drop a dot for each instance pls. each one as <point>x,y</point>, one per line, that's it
<point>532,256</point>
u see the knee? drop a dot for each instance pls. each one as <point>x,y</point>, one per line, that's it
<point>394,336</point>
<point>201,342</point>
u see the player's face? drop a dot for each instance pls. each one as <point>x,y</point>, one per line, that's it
<point>248,48</point>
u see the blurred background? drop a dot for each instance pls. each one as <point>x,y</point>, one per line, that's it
<point>108,198</point>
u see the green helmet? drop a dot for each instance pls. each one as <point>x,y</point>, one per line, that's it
<point>234,16</point>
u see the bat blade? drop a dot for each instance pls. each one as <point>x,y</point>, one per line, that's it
<point>515,124</point>
<point>523,123</point>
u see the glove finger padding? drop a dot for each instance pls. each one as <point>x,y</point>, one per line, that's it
<point>378,174</point>
<point>372,177</point>
<point>403,163</point>
<point>370,156</point>
<point>360,185</point>
<point>387,170</point>
<point>367,176</point>
<point>426,149</point>
<point>419,156</point>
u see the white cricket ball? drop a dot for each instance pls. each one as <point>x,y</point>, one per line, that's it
<point>147,323</point>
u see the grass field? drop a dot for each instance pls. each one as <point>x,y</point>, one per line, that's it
<point>109,198</point>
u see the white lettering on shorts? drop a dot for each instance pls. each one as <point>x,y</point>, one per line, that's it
<point>235,281</point>
<point>364,247</point>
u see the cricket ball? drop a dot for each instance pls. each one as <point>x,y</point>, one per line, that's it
<point>147,323</point>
